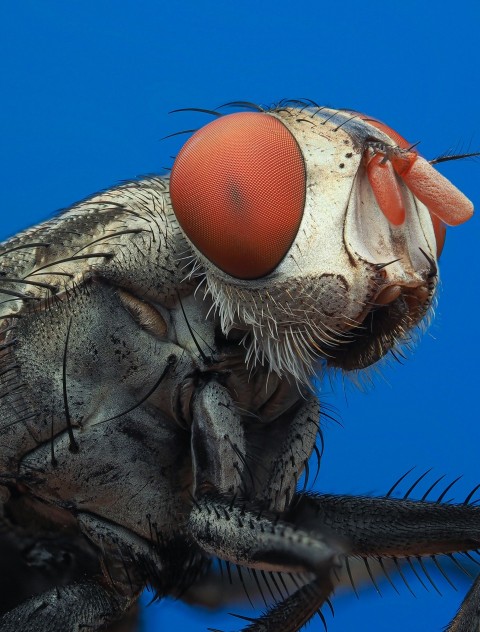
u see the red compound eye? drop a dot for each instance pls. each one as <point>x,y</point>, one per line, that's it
<point>238,191</point>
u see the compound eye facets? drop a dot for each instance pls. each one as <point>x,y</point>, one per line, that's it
<point>238,191</point>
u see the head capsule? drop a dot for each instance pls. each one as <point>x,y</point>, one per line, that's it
<point>318,231</point>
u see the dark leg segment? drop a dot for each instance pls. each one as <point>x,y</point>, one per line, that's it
<point>293,613</point>
<point>467,618</point>
<point>389,527</point>
<point>239,534</point>
<point>74,608</point>
<point>286,459</point>
<point>218,442</point>
<point>378,527</point>
<point>234,532</point>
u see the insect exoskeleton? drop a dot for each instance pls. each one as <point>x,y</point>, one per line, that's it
<point>305,224</point>
<point>157,348</point>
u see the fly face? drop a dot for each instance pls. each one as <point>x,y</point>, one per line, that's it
<point>318,231</point>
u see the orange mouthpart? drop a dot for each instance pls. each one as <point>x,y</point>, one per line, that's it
<point>446,204</point>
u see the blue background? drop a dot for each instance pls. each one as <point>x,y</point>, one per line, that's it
<point>85,91</point>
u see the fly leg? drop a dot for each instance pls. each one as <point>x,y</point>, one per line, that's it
<point>48,580</point>
<point>285,457</point>
<point>294,612</point>
<point>240,531</point>
<point>389,527</point>
<point>236,532</point>
<point>241,534</point>
<point>467,618</point>
<point>218,443</point>
<point>72,608</point>
<point>397,528</point>
<point>261,460</point>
